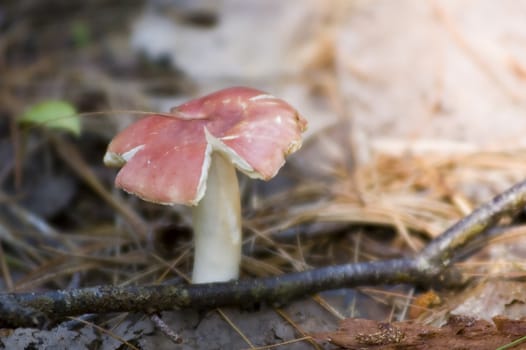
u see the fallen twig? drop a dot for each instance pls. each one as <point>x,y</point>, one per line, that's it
<point>431,266</point>
<point>150,299</point>
<point>439,252</point>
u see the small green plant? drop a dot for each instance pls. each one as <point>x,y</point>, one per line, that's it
<point>53,114</point>
<point>80,34</point>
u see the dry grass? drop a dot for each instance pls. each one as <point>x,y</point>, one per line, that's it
<point>391,205</point>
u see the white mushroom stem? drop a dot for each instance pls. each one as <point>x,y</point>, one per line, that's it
<point>217,225</point>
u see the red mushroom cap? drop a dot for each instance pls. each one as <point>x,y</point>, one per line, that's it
<point>165,159</point>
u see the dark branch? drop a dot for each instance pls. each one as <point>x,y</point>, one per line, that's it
<point>440,252</point>
<point>275,290</point>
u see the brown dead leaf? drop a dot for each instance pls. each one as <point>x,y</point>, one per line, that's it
<point>424,302</point>
<point>458,333</point>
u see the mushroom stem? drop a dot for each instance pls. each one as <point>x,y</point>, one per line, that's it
<point>217,225</point>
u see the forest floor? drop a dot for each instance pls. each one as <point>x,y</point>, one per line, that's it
<point>416,117</point>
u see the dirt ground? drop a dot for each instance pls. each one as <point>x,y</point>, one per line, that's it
<point>416,116</point>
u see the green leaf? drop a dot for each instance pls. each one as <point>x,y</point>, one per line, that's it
<point>80,33</point>
<point>54,115</point>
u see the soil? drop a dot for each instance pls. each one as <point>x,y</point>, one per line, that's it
<point>402,142</point>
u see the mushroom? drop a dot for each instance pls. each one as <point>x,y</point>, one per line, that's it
<point>190,156</point>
